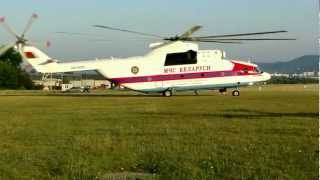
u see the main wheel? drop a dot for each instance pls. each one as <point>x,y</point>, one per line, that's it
<point>113,85</point>
<point>167,93</point>
<point>236,93</point>
<point>223,90</point>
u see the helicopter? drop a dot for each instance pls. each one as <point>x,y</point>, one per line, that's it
<point>172,65</point>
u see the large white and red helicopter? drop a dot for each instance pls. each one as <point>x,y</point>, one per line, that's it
<point>175,64</point>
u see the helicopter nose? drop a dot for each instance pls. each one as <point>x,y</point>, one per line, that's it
<point>266,76</point>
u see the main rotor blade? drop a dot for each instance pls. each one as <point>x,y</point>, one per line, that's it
<point>117,40</point>
<point>4,49</point>
<point>128,31</point>
<point>193,39</point>
<point>99,38</point>
<point>76,34</point>
<point>45,44</point>
<point>7,27</point>
<point>190,31</point>
<point>29,24</point>
<point>223,42</point>
<point>215,41</point>
<point>244,34</point>
<point>249,39</point>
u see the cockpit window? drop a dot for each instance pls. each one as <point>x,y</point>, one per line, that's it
<point>189,57</point>
<point>257,69</point>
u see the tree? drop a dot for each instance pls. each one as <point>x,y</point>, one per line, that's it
<point>12,57</point>
<point>11,75</point>
<point>25,81</point>
<point>8,76</point>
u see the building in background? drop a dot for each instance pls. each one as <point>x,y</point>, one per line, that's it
<point>77,80</point>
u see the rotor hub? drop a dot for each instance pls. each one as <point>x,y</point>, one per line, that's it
<point>21,40</point>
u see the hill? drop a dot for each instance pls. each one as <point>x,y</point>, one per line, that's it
<point>305,63</point>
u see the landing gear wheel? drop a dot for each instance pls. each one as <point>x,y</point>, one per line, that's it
<point>223,91</point>
<point>236,93</point>
<point>113,85</point>
<point>167,93</point>
<point>196,92</point>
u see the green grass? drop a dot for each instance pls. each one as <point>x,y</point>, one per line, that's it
<point>268,134</point>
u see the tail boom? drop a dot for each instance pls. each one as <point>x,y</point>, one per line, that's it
<point>44,64</point>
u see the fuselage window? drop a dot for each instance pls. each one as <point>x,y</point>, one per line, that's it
<point>189,57</point>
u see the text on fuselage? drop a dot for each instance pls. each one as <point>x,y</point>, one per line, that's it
<point>186,69</point>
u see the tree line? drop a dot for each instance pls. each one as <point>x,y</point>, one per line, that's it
<point>292,80</point>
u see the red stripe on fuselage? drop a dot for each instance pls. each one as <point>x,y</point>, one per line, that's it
<point>169,77</point>
<point>30,55</point>
<point>241,67</point>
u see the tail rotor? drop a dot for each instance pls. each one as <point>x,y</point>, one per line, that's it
<point>20,41</point>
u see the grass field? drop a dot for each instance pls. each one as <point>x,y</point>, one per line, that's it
<point>268,134</point>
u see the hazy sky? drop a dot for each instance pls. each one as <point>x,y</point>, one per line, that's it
<point>166,17</point>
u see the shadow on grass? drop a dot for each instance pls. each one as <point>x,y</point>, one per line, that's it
<point>245,113</point>
<point>260,115</point>
<point>232,114</point>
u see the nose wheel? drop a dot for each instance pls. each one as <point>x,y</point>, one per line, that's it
<point>167,93</point>
<point>235,93</point>
<point>113,85</point>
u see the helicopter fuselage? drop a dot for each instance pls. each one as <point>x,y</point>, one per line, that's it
<point>176,66</point>
<point>185,69</point>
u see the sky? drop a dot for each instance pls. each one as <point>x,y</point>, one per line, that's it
<point>166,18</point>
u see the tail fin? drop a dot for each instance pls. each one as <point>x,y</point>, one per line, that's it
<point>36,58</point>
